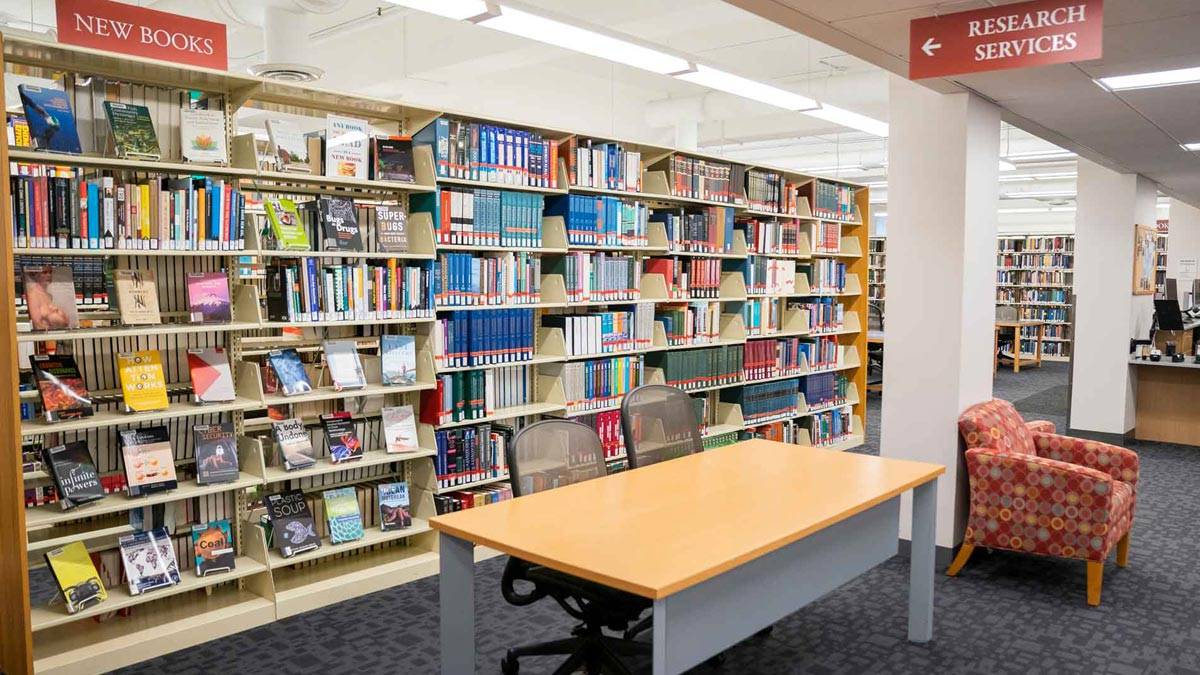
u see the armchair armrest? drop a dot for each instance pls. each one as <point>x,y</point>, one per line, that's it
<point>1120,463</point>
<point>1040,425</point>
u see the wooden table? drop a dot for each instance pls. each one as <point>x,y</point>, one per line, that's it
<point>1016,327</point>
<point>722,551</point>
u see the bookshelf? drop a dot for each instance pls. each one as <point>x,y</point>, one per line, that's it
<point>1160,257</point>
<point>817,259</point>
<point>1034,274</point>
<point>877,269</point>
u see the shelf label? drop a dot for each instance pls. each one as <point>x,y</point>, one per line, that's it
<point>117,27</point>
<point>1019,35</point>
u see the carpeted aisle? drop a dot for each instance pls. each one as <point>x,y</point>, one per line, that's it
<point>1005,613</point>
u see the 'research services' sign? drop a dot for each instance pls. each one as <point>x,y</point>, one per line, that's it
<point>1017,35</point>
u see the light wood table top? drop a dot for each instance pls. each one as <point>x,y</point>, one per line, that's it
<point>1023,323</point>
<point>659,529</point>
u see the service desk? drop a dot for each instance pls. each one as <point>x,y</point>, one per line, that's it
<point>1168,401</point>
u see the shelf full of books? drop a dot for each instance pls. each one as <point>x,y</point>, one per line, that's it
<point>1161,234</point>
<point>1034,275</point>
<point>251,371</point>
<point>876,271</point>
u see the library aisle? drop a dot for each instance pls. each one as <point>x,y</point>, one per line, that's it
<point>983,617</point>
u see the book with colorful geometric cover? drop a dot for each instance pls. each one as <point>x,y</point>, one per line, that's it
<point>341,511</point>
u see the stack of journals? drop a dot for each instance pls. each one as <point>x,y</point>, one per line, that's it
<point>706,179</point>
<point>769,276</point>
<point>490,153</point>
<point>474,394</point>
<point>600,383</point>
<point>602,165</point>
<point>765,402</point>
<point>604,332</point>
<point>827,276</point>
<point>824,389</point>
<point>769,191</point>
<point>599,277</point>
<point>763,315</point>
<point>690,324</point>
<point>708,231</point>
<point>601,221</point>
<point>830,427</point>
<point>834,201</point>
<point>698,278</point>
<point>61,209</point>
<point>608,426</point>
<point>470,454</point>
<point>464,339</point>
<point>483,216</point>
<point>466,280</point>
<point>779,237</point>
<point>766,359</point>
<point>826,237</point>
<point>824,314</point>
<point>303,289</point>
<point>699,368</point>
<point>470,498</point>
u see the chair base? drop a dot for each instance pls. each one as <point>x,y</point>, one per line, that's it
<point>1095,569</point>
<point>592,651</point>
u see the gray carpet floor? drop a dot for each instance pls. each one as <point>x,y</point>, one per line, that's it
<point>1005,613</point>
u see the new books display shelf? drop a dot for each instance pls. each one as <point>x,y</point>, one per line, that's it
<point>718,293</point>
<point>1034,274</point>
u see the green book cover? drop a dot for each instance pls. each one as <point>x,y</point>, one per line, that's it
<point>286,225</point>
<point>132,130</point>
<point>341,510</point>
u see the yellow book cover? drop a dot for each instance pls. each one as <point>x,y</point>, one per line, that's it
<point>144,211</point>
<point>142,381</point>
<point>76,576</point>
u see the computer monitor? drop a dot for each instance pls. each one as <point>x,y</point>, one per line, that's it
<point>1168,315</point>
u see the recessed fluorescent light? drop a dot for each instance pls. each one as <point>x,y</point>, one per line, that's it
<point>458,10</point>
<point>1022,194</point>
<point>1190,146</point>
<point>877,184</point>
<point>1007,166</point>
<point>1039,155</point>
<point>576,38</point>
<point>846,118</point>
<point>1037,176</point>
<point>1160,78</point>
<point>1024,210</point>
<point>746,88</point>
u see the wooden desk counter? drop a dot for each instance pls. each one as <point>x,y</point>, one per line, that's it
<point>725,542</point>
<point>1167,393</point>
<point>619,531</point>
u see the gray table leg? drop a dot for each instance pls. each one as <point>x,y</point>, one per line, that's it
<point>456,586</point>
<point>920,582</point>
<point>660,637</point>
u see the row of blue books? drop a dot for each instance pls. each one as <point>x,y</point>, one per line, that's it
<point>490,153</point>
<point>466,280</point>
<point>470,454</point>
<point>465,339</point>
<point>827,276</point>
<point>824,389</point>
<point>483,216</point>
<point>830,427</point>
<point>767,401</point>
<point>601,221</point>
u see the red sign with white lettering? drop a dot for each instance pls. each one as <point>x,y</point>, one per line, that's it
<point>118,27</point>
<point>1019,35</point>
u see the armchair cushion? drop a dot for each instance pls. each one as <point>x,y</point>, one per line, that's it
<point>995,424</point>
<point>1118,462</point>
<point>1040,425</point>
<point>1045,506</point>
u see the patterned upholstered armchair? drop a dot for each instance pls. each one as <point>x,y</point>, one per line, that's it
<point>1034,491</point>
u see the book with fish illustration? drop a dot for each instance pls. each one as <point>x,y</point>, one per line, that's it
<point>292,525</point>
<point>341,512</point>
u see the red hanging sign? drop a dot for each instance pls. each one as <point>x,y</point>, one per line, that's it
<point>117,27</point>
<point>1019,35</point>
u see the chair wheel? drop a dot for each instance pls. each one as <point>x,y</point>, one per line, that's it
<point>509,665</point>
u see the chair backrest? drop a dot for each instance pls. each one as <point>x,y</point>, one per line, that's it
<point>995,424</point>
<point>874,316</point>
<point>659,423</point>
<point>553,453</point>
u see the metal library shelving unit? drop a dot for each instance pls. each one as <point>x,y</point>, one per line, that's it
<point>877,271</point>
<point>1034,274</point>
<point>819,263</point>
<point>1160,258</point>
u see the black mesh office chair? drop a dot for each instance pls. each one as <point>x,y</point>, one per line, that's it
<point>874,351</point>
<point>543,456</point>
<point>659,423</point>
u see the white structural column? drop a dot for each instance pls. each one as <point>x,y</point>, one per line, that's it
<point>1183,245</point>
<point>943,165</point>
<point>1107,314</point>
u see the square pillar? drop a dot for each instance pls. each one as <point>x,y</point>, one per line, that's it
<point>1183,244</point>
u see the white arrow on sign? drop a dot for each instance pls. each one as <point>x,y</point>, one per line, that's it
<point>929,46</point>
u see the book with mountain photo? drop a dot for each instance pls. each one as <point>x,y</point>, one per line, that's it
<point>399,359</point>
<point>132,130</point>
<point>208,297</point>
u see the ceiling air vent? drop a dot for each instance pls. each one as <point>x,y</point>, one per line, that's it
<point>287,72</point>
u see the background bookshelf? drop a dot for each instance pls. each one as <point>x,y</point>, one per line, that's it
<point>1160,257</point>
<point>1034,274</point>
<point>877,269</point>
<point>719,277</point>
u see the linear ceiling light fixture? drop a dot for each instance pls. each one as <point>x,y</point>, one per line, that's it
<point>1158,78</point>
<point>850,119</point>
<point>459,10</point>
<point>1190,146</point>
<point>1039,155</point>
<point>747,88</point>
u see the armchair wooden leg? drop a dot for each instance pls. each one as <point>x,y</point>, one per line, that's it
<point>1095,579</point>
<point>964,554</point>
<point>1123,551</point>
